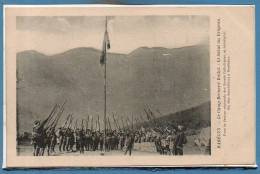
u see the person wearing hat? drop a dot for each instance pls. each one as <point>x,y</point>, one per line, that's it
<point>121,141</point>
<point>38,136</point>
<point>158,144</point>
<point>172,143</point>
<point>60,136</point>
<point>129,141</point>
<point>180,141</point>
<point>53,140</point>
<point>35,137</point>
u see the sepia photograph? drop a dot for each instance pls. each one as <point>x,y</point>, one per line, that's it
<point>113,85</point>
<point>129,86</point>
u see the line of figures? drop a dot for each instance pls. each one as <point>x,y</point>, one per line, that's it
<point>80,140</point>
<point>46,137</point>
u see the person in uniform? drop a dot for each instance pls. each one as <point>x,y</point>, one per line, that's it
<point>71,140</point>
<point>43,142</point>
<point>47,141</point>
<point>60,138</point>
<point>101,141</point>
<point>93,138</point>
<point>158,144</point>
<point>129,144</point>
<point>163,144</point>
<point>38,135</point>
<point>53,141</point>
<point>121,141</point>
<point>172,143</point>
<point>167,144</point>
<point>65,132</point>
<point>180,141</point>
<point>77,138</point>
<point>35,138</point>
<point>81,141</point>
<point>88,141</point>
<point>108,142</point>
<point>116,141</point>
<point>95,141</point>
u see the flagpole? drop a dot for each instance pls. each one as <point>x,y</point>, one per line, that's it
<point>105,96</point>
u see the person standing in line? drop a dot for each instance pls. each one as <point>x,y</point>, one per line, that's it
<point>36,135</point>
<point>121,141</point>
<point>129,144</point>
<point>53,141</point>
<point>180,141</point>
<point>60,138</point>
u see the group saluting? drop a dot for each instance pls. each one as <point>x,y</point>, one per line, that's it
<point>70,137</point>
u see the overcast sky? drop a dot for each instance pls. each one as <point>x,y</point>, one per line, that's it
<point>51,35</point>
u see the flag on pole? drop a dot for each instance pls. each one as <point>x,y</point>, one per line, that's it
<point>106,45</point>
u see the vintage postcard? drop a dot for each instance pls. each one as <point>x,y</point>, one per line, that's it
<point>113,86</point>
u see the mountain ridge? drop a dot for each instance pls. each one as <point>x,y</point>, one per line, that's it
<point>99,50</point>
<point>172,82</point>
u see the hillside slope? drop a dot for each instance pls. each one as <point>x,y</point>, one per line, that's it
<point>170,80</point>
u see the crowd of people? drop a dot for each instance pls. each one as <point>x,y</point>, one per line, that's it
<point>47,139</point>
<point>171,143</point>
<point>78,140</point>
<point>51,141</point>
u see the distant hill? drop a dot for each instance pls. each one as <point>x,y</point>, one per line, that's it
<point>170,80</point>
<point>193,118</point>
